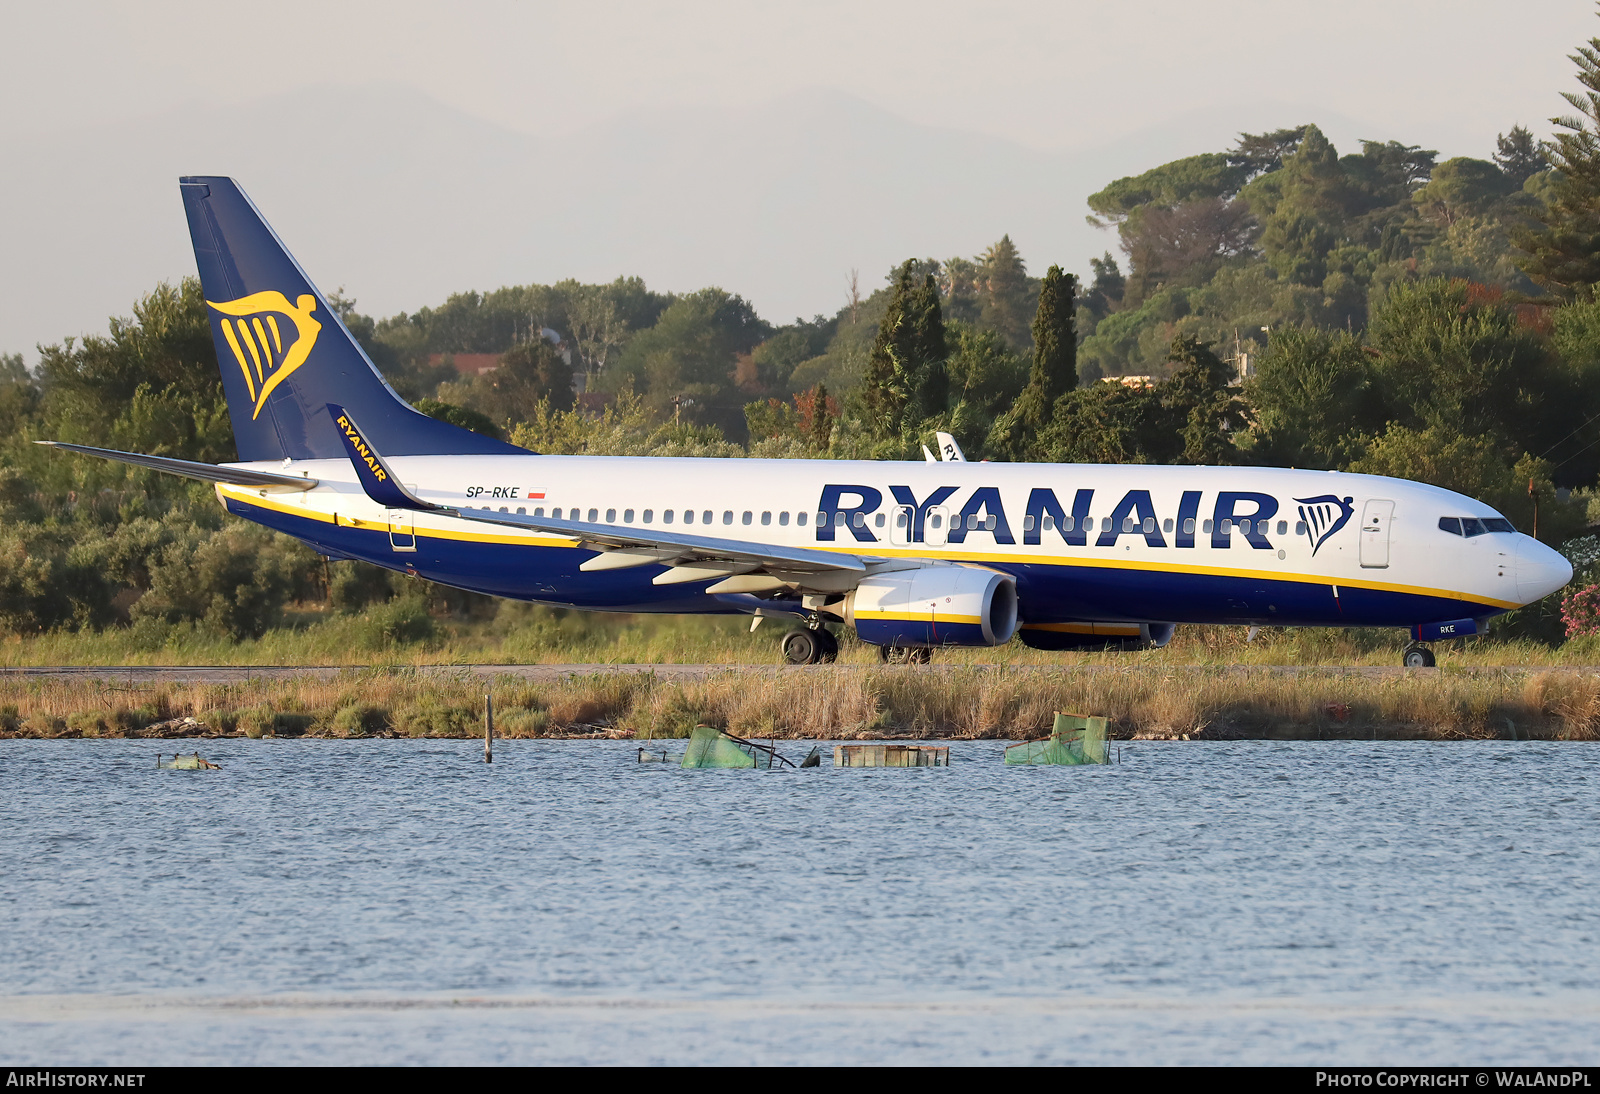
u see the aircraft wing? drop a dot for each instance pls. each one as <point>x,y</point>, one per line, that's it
<point>736,566</point>
<point>690,557</point>
<point>190,469</point>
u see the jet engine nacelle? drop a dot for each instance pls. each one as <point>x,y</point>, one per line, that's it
<point>934,606</point>
<point>1119,637</point>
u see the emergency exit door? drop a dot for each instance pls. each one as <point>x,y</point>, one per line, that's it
<point>1375,521</point>
<point>904,526</point>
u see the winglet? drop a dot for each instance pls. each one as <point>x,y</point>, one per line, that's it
<point>949,450</point>
<point>375,476</point>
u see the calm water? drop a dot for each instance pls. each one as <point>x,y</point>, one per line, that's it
<point>399,901</point>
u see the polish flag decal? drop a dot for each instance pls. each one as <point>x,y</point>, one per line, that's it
<point>532,496</point>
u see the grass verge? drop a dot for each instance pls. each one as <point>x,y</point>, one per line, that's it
<point>845,702</point>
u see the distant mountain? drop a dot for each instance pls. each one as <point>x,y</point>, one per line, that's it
<point>404,200</point>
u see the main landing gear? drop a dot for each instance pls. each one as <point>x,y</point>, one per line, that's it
<point>905,655</point>
<point>809,645</point>
<point>1417,657</point>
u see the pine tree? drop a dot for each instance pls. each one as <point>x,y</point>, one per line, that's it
<point>1003,277</point>
<point>1564,256</point>
<point>1309,218</point>
<point>1518,155</point>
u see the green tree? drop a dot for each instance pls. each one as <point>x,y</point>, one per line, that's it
<point>1105,294</point>
<point>691,353</point>
<point>529,373</point>
<point>1306,219</point>
<point>1107,423</point>
<point>1451,357</point>
<point>1564,255</point>
<point>1005,292</point>
<point>1311,391</point>
<point>1261,153</point>
<point>906,378</point>
<point>1205,409</point>
<point>1519,156</point>
<point>1054,373</point>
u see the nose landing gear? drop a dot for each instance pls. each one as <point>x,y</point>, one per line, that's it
<point>1417,656</point>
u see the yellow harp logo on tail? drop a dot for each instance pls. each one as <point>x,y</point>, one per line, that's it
<point>267,353</point>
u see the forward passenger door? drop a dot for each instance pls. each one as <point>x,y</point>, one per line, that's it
<point>1375,520</point>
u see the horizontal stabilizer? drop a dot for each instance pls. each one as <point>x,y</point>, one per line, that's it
<point>190,469</point>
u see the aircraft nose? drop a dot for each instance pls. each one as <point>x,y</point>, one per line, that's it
<point>1540,570</point>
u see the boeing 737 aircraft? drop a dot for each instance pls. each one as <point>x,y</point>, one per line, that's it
<point>910,555</point>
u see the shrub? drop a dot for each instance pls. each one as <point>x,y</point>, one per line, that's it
<point>235,580</point>
<point>430,718</point>
<point>354,585</point>
<point>255,722</point>
<point>359,720</point>
<point>521,723</point>
<point>1580,611</point>
<point>398,623</point>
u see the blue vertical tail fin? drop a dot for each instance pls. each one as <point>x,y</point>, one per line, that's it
<point>285,355</point>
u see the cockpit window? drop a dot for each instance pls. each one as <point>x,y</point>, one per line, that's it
<point>1474,526</point>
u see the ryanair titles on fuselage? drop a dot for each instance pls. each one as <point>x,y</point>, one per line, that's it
<point>1250,513</point>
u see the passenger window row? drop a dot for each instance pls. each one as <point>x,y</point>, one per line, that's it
<point>1471,525</point>
<point>668,516</point>
<point>1131,525</point>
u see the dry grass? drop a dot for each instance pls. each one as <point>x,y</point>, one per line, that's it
<point>832,702</point>
<point>530,635</point>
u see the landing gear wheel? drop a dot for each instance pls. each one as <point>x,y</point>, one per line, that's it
<point>905,655</point>
<point>827,646</point>
<point>1418,657</point>
<point>801,647</point>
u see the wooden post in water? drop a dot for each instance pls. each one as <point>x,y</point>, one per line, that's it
<point>488,729</point>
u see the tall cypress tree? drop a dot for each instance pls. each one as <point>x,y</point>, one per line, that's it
<point>906,378</point>
<point>929,382</point>
<point>885,391</point>
<point>1055,370</point>
<point>1055,337</point>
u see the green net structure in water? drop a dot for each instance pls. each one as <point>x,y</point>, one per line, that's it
<point>1074,740</point>
<point>710,747</point>
<point>195,762</point>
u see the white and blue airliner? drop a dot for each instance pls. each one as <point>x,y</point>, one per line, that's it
<point>911,556</point>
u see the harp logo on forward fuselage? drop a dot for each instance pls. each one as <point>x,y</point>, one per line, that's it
<point>1324,515</point>
<point>268,350</point>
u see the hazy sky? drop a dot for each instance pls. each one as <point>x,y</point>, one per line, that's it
<point>1050,74</point>
<point>1055,77</point>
